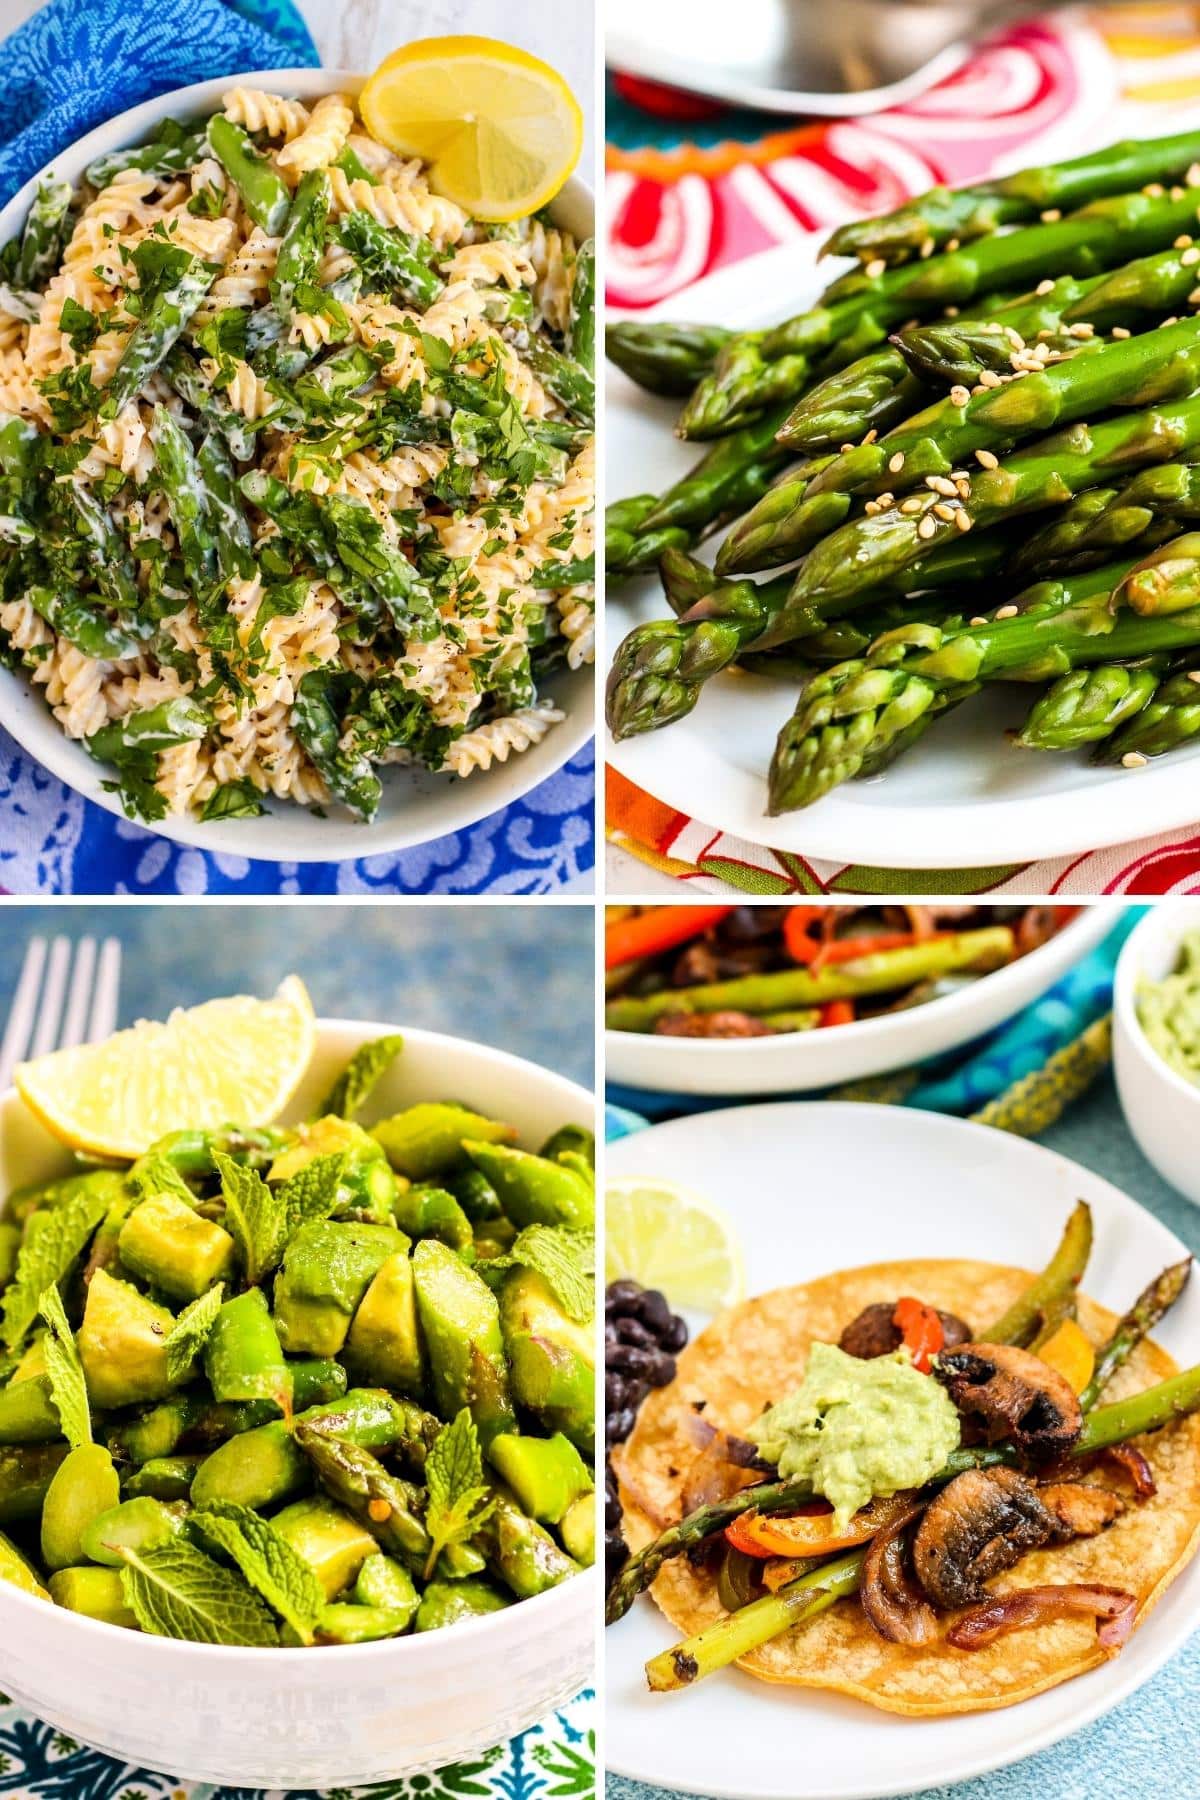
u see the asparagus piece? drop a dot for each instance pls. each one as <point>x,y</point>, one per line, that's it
<point>44,235</point>
<point>860,309</point>
<point>1088,705</point>
<point>628,550</point>
<point>968,212</point>
<point>871,394</point>
<point>1046,474</point>
<point>358,1481</point>
<point>1168,721</point>
<point>560,375</point>
<point>234,540</point>
<point>664,358</point>
<point>183,486</point>
<point>579,339</point>
<point>264,192</point>
<point>1137,1323</point>
<point>1105,518</point>
<point>878,973</point>
<point>161,157</point>
<point>393,257</point>
<point>76,618</point>
<point>155,333</point>
<point>303,240</point>
<point>1060,1277</point>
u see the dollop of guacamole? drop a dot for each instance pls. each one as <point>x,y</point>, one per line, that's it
<point>1169,1011</point>
<point>858,1428</point>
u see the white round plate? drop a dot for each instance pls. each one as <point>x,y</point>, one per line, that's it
<point>915,1184</point>
<point>416,806</point>
<point>962,798</point>
<point>799,1061</point>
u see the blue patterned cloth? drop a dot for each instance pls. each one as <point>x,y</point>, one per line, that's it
<point>967,1079</point>
<point>72,65</point>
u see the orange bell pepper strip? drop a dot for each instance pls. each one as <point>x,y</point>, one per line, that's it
<point>810,1531</point>
<point>658,928</point>
<point>920,1331</point>
<point>837,1012</point>
<point>798,940</point>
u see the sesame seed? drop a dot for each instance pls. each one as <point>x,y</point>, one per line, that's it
<point>1182,241</point>
<point>926,528</point>
<point>1177,193</point>
<point>886,499</point>
<point>959,394</point>
<point>1006,612</point>
<point>1046,333</point>
<point>943,511</point>
<point>1193,300</point>
<point>1133,759</point>
<point>951,312</point>
<point>927,248</point>
<point>1120,331</point>
<point>1194,675</point>
<point>871,508</point>
<point>896,463</point>
<point>1173,320</point>
<point>871,435</point>
<point>1081,331</point>
<point>988,378</point>
<point>876,267</point>
<point>964,488</point>
<point>846,449</point>
<point>1052,215</point>
<point>958,474</point>
<point>963,521</point>
<point>1192,178</point>
<point>987,459</point>
<point>940,485</point>
<point>912,506</point>
<point>1014,338</point>
<point>952,245</point>
<point>1191,255</point>
<point>977,621</point>
<point>1044,287</point>
<point>1154,189</point>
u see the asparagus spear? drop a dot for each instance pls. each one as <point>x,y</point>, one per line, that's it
<point>234,540</point>
<point>562,376</point>
<point>1137,1323</point>
<point>264,192</point>
<point>1168,721</point>
<point>664,358</point>
<point>1089,704</point>
<point>968,212</point>
<point>379,1500</point>
<point>1105,518</point>
<point>394,258</point>
<point>183,486</point>
<point>156,331</point>
<point>76,618</point>
<point>44,234</point>
<point>1061,1275</point>
<point>871,394</point>
<point>579,339</point>
<point>160,157</point>
<point>303,239</point>
<point>628,550</point>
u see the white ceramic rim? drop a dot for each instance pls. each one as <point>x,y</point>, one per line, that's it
<point>684,771</point>
<point>1160,920</point>
<point>25,714</point>
<point>1090,927</point>
<point>481,1628</point>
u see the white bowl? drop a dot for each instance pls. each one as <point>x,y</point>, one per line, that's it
<point>1161,1108</point>
<point>416,806</point>
<point>255,1718</point>
<point>798,1062</point>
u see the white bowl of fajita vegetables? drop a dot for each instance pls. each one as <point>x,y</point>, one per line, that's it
<point>293,1442</point>
<point>298,478</point>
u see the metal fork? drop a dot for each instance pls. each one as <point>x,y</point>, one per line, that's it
<point>66,995</point>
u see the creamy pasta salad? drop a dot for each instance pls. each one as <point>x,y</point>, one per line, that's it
<point>296,464</point>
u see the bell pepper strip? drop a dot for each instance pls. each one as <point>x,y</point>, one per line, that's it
<point>810,1530</point>
<point>798,939</point>
<point>920,1331</point>
<point>658,928</point>
<point>837,1012</point>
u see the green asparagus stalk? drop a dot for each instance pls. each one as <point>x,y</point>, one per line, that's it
<point>872,394</point>
<point>167,155</point>
<point>1165,581</point>
<point>156,331</point>
<point>1061,1275</point>
<point>303,240</point>
<point>1149,1307</point>
<point>665,358</point>
<point>579,339</point>
<point>76,617</point>
<point>183,486</point>
<point>1167,722</point>
<point>628,550</point>
<point>568,381</point>
<point>968,212</point>
<point>397,259</point>
<point>1089,704</point>
<point>264,192</point>
<point>44,234</point>
<point>234,541</point>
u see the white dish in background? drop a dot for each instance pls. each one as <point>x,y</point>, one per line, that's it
<point>339,1717</point>
<point>1162,1108</point>
<point>417,806</point>
<point>962,798</point>
<point>915,1184</point>
<point>799,1061</point>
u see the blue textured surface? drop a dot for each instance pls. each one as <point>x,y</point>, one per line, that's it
<point>72,65</point>
<point>1149,1746</point>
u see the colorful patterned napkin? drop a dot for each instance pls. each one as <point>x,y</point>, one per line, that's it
<point>693,186</point>
<point>72,65</point>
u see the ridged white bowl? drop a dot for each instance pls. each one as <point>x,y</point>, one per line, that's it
<point>1162,1108</point>
<point>323,1717</point>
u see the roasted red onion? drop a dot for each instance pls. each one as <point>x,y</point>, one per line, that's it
<point>1113,1608</point>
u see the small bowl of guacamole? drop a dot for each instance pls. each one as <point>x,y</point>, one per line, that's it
<point>1156,1040</point>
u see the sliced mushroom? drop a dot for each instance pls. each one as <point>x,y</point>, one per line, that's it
<point>1079,1511</point>
<point>1016,1396</point>
<point>710,1025</point>
<point>982,1522</point>
<point>872,1333</point>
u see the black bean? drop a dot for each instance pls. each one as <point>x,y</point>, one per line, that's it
<point>612,1514</point>
<point>630,1359</point>
<point>675,1336</point>
<point>618,1425</point>
<point>615,1554</point>
<point>612,1331</point>
<point>615,1391</point>
<point>661,1370</point>
<point>618,1294</point>
<point>653,1310</point>
<point>632,1331</point>
<point>635,1392</point>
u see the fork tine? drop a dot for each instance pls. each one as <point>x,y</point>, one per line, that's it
<point>105,997</point>
<point>21,1015</point>
<point>79,994</point>
<point>45,1035</point>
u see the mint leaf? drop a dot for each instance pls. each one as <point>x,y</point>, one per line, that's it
<point>254,1216</point>
<point>268,1562</point>
<point>156,1174</point>
<point>365,1068</point>
<point>53,1241</point>
<point>311,1193</point>
<point>189,1334</point>
<point>178,1592</point>
<point>459,1500</point>
<point>564,1259</point>
<point>68,1389</point>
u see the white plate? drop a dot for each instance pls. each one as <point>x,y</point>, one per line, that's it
<point>963,797</point>
<point>798,1061</point>
<point>416,805</point>
<point>916,1184</point>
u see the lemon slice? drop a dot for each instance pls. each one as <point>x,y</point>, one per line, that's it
<point>667,1237</point>
<point>235,1061</point>
<point>500,130</point>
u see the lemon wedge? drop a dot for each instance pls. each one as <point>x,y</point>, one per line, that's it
<point>229,1061</point>
<point>666,1237</point>
<point>500,130</point>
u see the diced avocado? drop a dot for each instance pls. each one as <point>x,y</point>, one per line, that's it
<point>10,1246</point>
<point>552,1359</point>
<point>424,1211</point>
<point>28,1415</point>
<point>577,1530</point>
<point>382,1581</point>
<point>242,1357</point>
<point>158,1430</point>
<point>426,1140</point>
<point>26,1471</point>
<point>266,1466</point>
<point>32,1360</point>
<point>327,1269</point>
<point>85,1485</point>
<point>164,1242</point>
<point>15,1569</point>
<point>575,1140</point>
<point>532,1190</point>
<point>546,1474</point>
<point>461,1322</point>
<point>334,1545</point>
<point>446,1602</point>
<point>163,1478</point>
<point>519,1551</point>
<point>121,1344</point>
<point>139,1525</point>
<point>384,1345</point>
<point>349,1623</point>
<point>367,1183</point>
<point>97,1593</point>
<point>103,1184</point>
